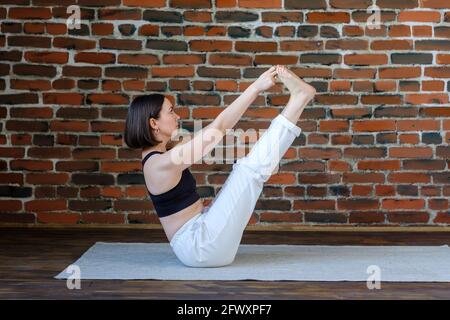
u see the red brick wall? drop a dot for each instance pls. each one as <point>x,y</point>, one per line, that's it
<point>375,142</point>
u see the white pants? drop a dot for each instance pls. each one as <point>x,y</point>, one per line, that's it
<point>212,237</point>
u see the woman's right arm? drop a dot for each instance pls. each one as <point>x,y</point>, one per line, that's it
<point>184,154</point>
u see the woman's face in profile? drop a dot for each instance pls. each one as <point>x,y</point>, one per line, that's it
<point>168,119</point>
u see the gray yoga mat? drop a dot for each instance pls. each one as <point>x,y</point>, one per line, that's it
<point>269,263</point>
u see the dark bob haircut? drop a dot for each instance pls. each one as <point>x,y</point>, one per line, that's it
<point>138,133</point>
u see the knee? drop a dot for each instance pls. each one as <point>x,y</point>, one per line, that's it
<point>251,171</point>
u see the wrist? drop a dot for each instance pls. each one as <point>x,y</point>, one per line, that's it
<point>254,89</point>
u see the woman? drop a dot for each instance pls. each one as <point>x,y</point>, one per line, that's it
<point>210,236</point>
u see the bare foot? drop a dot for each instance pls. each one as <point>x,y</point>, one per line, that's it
<point>294,83</point>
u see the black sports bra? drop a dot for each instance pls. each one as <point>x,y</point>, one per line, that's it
<point>179,197</point>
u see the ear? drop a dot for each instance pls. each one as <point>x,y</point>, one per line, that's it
<point>152,123</point>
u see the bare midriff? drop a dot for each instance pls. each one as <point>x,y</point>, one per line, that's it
<point>171,224</point>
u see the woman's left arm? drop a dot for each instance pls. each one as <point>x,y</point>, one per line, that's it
<point>228,118</point>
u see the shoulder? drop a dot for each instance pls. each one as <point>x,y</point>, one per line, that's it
<point>157,178</point>
<point>151,159</point>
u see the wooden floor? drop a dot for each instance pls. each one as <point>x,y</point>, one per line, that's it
<point>31,257</point>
